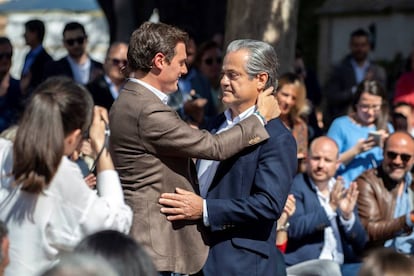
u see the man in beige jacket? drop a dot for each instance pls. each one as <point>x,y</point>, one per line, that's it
<point>152,147</point>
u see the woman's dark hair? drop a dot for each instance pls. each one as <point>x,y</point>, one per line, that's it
<point>125,255</point>
<point>58,107</point>
<point>376,89</point>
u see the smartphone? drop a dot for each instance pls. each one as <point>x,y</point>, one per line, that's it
<point>377,137</point>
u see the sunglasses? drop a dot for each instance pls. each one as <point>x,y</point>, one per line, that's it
<point>209,61</point>
<point>5,55</point>
<point>118,62</point>
<point>79,40</point>
<point>404,157</point>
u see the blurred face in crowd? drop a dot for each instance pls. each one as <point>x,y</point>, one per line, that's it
<point>407,111</point>
<point>171,70</point>
<point>398,155</point>
<point>30,38</point>
<point>360,48</point>
<point>191,49</point>
<point>322,160</point>
<point>6,52</point>
<point>211,63</point>
<point>75,42</point>
<point>240,91</point>
<point>286,97</point>
<point>368,108</point>
<point>116,61</point>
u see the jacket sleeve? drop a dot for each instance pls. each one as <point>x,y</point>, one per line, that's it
<point>166,134</point>
<point>306,221</point>
<point>377,227</point>
<point>273,177</point>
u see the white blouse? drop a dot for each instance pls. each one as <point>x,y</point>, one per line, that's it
<point>42,226</point>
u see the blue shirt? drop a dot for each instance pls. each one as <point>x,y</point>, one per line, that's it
<point>403,243</point>
<point>346,134</point>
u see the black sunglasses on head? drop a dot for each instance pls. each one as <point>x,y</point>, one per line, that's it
<point>209,61</point>
<point>71,41</point>
<point>404,156</point>
<point>5,55</point>
<point>118,62</point>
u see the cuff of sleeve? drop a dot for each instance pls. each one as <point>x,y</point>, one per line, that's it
<point>260,117</point>
<point>205,214</point>
<point>348,223</point>
<point>109,186</point>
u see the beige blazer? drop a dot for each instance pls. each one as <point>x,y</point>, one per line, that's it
<point>152,149</point>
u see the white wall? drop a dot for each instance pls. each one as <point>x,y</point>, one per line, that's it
<point>394,35</point>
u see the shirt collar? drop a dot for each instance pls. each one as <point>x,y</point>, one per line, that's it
<point>240,117</point>
<point>162,96</point>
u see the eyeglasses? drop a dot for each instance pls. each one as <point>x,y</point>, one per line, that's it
<point>366,107</point>
<point>404,156</point>
<point>5,55</point>
<point>209,61</point>
<point>118,62</point>
<point>79,40</point>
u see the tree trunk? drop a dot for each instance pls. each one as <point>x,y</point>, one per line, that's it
<point>272,21</point>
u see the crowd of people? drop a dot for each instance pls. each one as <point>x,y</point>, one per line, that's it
<point>179,158</point>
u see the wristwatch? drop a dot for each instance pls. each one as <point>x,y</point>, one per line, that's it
<point>283,227</point>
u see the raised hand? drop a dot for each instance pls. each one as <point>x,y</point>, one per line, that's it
<point>267,104</point>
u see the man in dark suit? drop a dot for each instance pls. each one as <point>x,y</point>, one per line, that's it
<point>77,64</point>
<point>105,88</point>
<point>345,77</point>
<point>244,195</point>
<point>326,223</point>
<point>152,147</point>
<point>36,58</point>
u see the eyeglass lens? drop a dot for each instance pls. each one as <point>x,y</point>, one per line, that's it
<point>404,157</point>
<point>5,55</point>
<point>79,40</point>
<point>209,61</point>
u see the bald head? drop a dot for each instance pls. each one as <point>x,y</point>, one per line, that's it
<point>322,161</point>
<point>398,155</point>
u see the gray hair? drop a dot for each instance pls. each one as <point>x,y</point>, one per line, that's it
<point>262,58</point>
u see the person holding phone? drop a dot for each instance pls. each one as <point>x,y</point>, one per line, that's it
<point>360,151</point>
<point>44,199</point>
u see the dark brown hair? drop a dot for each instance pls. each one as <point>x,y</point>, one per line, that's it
<point>150,39</point>
<point>376,89</point>
<point>58,107</point>
<point>386,261</point>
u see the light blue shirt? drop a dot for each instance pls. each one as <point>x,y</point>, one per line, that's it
<point>30,58</point>
<point>403,243</point>
<point>346,134</point>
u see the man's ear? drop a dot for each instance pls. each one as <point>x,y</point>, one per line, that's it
<point>159,60</point>
<point>262,80</point>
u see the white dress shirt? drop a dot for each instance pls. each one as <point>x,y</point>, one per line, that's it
<point>42,226</point>
<point>161,95</point>
<point>206,169</point>
<point>332,246</point>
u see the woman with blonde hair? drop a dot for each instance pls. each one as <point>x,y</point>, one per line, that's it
<point>291,95</point>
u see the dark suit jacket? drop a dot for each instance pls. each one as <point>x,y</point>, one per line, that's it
<point>307,226</point>
<point>338,90</point>
<point>11,105</point>
<point>62,67</point>
<point>152,149</point>
<point>37,69</point>
<point>244,201</point>
<point>100,92</point>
